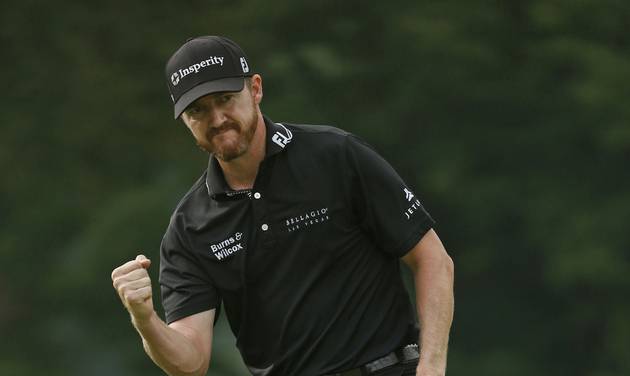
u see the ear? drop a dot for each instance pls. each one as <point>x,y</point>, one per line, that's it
<point>257,90</point>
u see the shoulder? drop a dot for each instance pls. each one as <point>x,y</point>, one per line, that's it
<point>325,138</point>
<point>188,206</point>
<point>328,139</point>
<point>316,131</point>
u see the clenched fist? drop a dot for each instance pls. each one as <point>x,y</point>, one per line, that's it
<point>133,284</point>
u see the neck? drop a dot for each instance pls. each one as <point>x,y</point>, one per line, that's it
<point>240,173</point>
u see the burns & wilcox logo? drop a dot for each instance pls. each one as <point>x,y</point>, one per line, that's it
<point>308,219</point>
<point>195,68</point>
<point>228,246</point>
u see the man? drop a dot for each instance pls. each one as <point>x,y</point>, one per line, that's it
<point>297,230</point>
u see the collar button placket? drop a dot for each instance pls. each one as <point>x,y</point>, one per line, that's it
<point>262,224</point>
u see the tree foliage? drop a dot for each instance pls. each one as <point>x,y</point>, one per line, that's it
<point>509,119</point>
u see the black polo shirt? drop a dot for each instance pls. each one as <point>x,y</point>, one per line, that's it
<point>307,262</point>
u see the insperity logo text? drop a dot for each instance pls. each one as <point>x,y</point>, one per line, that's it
<point>195,68</point>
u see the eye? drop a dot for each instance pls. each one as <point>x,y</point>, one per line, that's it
<point>225,98</point>
<point>193,109</point>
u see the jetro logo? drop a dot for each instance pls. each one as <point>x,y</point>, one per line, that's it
<point>408,195</point>
<point>415,203</point>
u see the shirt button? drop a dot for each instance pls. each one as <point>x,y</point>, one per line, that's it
<point>257,195</point>
<point>264,227</point>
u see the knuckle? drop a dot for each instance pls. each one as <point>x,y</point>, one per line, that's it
<point>138,273</point>
<point>124,289</point>
<point>116,272</point>
<point>119,282</point>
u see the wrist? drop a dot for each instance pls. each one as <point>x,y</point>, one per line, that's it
<point>142,322</point>
<point>425,369</point>
<point>434,361</point>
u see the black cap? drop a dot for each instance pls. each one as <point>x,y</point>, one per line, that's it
<point>205,65</point>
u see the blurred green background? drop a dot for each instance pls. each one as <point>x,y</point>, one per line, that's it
<point>510,120</point>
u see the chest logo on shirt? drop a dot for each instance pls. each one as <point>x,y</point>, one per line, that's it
<point>282,139</point>
<point>415,203</point>
<point>228,246</point>
<point>308,219</point>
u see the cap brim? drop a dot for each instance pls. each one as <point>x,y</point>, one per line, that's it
<point>216,86</point>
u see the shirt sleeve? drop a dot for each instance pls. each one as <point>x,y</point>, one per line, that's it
<point>388,210</point>
<point>186,289</point>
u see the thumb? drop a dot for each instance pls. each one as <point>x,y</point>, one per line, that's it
<point>144,262</point>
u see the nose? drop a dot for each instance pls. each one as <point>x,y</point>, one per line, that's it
<point>212,118</point>
<point>216,117</point>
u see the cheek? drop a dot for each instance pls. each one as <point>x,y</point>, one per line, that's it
<point>197,132</point>
<point>244,107</point>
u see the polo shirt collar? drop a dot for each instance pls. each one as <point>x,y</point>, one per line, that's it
<point>277,138</point>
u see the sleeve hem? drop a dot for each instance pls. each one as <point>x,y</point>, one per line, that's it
<point>187,311</point>
<point>408,244</point>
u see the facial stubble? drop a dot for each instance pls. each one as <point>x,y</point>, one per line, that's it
<point>245,136</point>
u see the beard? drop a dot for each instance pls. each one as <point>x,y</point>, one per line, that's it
<point>225,146</point>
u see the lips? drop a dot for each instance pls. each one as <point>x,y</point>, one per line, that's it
<point>222,129</point>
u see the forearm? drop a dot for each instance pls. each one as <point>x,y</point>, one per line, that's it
<point>435,304</point>
<point>172,351</point>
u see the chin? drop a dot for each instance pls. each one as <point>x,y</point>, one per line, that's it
<point>229,154</point>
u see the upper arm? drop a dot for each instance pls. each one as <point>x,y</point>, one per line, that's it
<point>385,207</point>
<point>428,251</point>
<point>185,285</point>
<point>198,328</point>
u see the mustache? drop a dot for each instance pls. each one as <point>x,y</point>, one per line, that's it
<point>210,133</point>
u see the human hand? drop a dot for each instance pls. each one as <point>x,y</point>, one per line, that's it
<point>133,284</point>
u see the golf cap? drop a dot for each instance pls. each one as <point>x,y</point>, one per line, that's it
<point>202,66</point>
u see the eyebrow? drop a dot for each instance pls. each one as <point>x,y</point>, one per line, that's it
<point>197,102</point>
